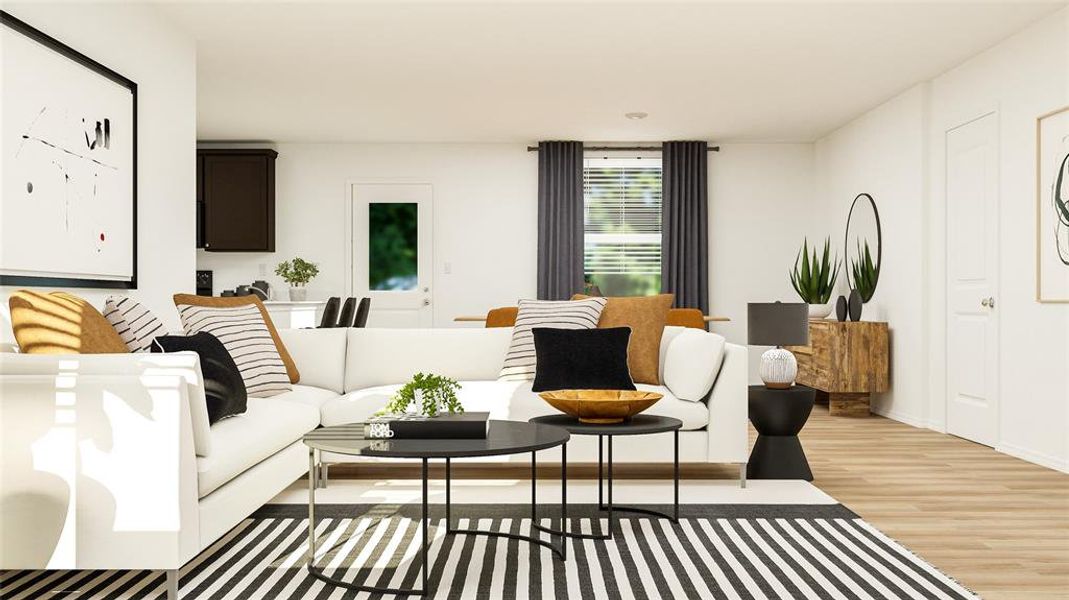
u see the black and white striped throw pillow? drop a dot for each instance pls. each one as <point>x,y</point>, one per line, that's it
<point>135,324</point>
<point>245,336</point>
<point>520,360</point>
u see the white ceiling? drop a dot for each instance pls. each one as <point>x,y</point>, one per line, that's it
<point>524,71</point>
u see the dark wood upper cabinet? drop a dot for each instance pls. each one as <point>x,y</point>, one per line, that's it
<point>236,200</point>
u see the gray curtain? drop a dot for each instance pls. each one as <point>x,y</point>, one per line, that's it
<point>685,224</point>
<point>560,219</point>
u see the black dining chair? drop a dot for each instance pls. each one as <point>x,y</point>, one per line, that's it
<point>362,312</point>
<point>348,313</point>
<point>330,313</point>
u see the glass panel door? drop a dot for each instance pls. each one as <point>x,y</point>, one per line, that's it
<point>391,245</point>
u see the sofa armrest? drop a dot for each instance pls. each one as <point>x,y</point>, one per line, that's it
<point>97,461</point>
<point>729,408</point>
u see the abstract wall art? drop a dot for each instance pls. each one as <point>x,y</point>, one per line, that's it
<point>68,165</point>
<point>1052,191</point>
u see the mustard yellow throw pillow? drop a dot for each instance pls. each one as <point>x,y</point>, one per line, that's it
<point>61,323</point>
<point>646,316</point>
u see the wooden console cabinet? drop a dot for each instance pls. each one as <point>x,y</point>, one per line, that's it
<point>845,362</point>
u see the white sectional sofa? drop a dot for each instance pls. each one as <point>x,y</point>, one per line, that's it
<point>108,461</point>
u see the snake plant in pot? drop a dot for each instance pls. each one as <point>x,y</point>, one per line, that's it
<point>814,279</point>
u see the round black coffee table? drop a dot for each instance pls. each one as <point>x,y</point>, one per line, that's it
<point>778,416</point>
<point>636,425</point>
<point>502,437</point>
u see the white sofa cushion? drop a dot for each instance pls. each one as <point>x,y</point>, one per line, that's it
<point>385,356</point>
<point>506,400</point>
<point>307,395</point>
<point>691,363</point>
<point>320,354</point>
<point>526,405</point>
<point>240,442</point>
<point>494,397</point>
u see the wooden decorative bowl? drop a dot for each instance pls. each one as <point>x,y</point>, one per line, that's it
<point>601,406</point>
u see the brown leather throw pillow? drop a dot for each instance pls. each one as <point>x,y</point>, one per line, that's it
<point>646,316</point>
<point>233,301</point>
<point>61,323</point>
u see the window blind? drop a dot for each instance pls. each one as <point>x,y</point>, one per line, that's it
<point>622,221</point>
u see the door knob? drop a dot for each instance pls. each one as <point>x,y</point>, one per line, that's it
<point>988,302</point>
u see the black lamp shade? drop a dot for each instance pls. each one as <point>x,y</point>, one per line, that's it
<point>777,324</point>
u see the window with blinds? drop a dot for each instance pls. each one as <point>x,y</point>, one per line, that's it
<point>622,225</point>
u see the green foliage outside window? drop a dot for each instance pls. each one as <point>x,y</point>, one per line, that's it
<point>393,245</point>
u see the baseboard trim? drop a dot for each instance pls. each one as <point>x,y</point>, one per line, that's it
<point>900,417</point>
<point>1038,458</point>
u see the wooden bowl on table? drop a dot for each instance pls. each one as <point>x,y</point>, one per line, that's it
<point>601,406</point>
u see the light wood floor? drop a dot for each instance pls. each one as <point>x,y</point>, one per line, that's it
<point>997,524</point>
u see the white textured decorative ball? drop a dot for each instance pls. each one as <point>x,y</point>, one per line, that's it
<point>778,368</point>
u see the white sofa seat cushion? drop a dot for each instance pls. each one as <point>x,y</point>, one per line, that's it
<point>504,400</point>
<point>692,361</point>
<point>494,397</point>
<point>308,395</point>
<point>239,443</point>
<point>526,405</point>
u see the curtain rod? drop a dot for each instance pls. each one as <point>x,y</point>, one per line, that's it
<point>622,148</point>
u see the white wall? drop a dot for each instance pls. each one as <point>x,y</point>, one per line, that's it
<point>896,152</point>
<point>485,209</point>
<point>137,43</point>
<point>882,153</point>
<point>761,206</point>
<point>485,215</point>
<point>1021,78</point>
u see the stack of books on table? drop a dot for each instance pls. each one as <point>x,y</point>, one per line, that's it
<point>467,426</point>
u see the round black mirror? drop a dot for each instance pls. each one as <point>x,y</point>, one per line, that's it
<point>863,249</point>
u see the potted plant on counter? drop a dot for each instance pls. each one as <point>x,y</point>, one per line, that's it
<point>297,273</point>
<point>815,279</point>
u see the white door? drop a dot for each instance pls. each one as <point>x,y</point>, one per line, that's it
<point>972,271</point>
<point>392,252</point>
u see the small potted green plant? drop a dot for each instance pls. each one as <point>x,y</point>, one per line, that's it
<point>297,272</point>
<point>430,393</point>
<point>815,279</point>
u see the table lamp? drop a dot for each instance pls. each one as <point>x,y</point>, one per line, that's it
<point>777,324</point>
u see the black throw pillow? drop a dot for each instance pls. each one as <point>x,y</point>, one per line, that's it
<point>224,389</point>
<point>581,359</point>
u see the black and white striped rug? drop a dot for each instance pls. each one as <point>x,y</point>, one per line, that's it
<point>721,552</point>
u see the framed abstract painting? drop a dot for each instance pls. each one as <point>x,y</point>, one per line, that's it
<point>68,165</point>
<point>1052,201</point>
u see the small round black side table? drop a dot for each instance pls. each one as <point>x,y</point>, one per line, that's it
<point>778,416</point>
<point>637,425</point>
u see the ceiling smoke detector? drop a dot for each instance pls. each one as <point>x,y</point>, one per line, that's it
<point>636,116</point>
